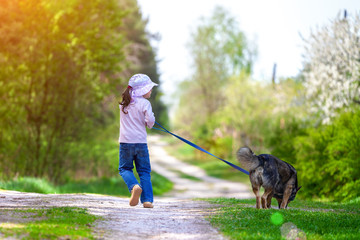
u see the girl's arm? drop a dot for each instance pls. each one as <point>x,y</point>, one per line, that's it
<point>149,115</point>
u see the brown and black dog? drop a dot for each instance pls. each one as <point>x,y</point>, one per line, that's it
<point>278,178</point>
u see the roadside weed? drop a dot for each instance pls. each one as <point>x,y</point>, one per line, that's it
<point>51,223</point>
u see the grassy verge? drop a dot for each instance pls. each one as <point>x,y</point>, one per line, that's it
<point>110,186</point>
<point>213,166</point>
<point>186,176</point>
<point>52,223</point>
<point>238,219</point>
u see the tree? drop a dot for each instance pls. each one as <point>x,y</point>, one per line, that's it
<point>330,155</point>
<point>332,66</point>
<point>58,61</point>
<point>141,57</point>
<point>219,50</point>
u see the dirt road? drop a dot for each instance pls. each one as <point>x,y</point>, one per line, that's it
<point>175,216</point>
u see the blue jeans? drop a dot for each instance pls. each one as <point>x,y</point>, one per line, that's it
<point>138,153</point>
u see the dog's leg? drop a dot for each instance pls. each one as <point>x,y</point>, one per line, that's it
<point>268,200</point>
<point>279,200</point>
<point>256,191</point>
<point>286,196</point>
<point>264,197</point>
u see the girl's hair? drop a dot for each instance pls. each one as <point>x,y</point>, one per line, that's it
<point>126,99</point>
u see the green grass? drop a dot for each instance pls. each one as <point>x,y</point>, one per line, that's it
<point>161,184</point>
<point>212,166</point>
<point>238,219</point>
<point>109,186</point>
<point>52,223</point>
<point>186,176</point>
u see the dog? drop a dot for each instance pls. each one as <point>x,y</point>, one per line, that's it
<point>278,178</point>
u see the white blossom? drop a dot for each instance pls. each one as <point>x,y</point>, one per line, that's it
<point>332,66</point>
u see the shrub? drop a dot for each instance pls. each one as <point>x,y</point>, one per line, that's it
<point>328,159</point>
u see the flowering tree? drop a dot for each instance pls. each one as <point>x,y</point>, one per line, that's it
<point>332,66</point>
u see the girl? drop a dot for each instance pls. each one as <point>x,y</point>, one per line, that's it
<point>135,115</point>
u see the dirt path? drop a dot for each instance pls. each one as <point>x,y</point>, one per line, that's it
<point>168,166</point>
<point>175,216</point>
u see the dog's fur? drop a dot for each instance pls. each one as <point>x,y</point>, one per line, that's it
<point>278,178</point>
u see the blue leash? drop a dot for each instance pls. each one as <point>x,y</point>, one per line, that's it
<point>199,148</point>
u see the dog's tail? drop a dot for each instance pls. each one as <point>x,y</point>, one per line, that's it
<point>247,158</point>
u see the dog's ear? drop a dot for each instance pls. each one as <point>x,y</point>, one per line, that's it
<point>298,189</point>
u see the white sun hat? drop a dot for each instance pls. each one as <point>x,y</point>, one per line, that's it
<point>140,85</point>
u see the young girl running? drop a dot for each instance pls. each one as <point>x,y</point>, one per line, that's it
<point>135,115</point>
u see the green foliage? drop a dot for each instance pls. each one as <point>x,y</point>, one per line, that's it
<point>239,220</point>
<point>61,59</point>
<point>218,49</point>
<point>113,186</point>
<point>61,63</point>
<point>109,186</point>
<point>28,184</point>
<point>281,140</point>
<point>53,223</point>
<point>252,119</point>
<point>160,184</point>
<point>328,159</point>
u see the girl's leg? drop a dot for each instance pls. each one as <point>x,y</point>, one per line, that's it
<point>142,162</point>
<point>126,157</point>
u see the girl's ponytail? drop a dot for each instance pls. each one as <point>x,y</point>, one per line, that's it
<point>126,99</point>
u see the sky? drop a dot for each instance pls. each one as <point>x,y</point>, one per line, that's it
<point>275,27</point>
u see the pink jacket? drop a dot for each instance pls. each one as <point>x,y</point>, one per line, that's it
<point>133,124</point>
